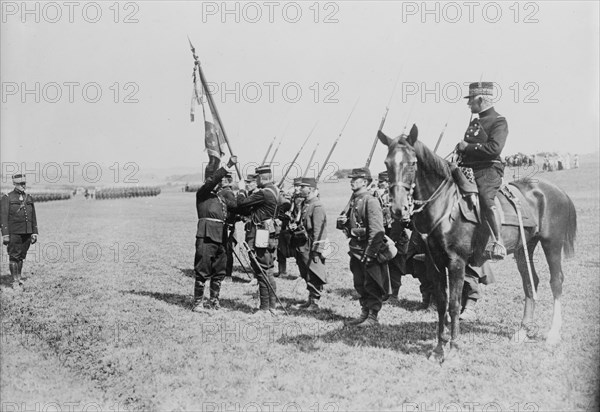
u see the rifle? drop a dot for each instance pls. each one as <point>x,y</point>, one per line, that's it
<point>275,153</point>
<point>268,151</point>
<point>280,184</point>
<point>312,156</point>
<point>252,255</point>
<point>336,142</point>
<point>387,109</point>
<point>212,106</point>
<point>440,138</point>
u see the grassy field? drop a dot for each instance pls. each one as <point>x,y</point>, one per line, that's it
<point>104,323</point>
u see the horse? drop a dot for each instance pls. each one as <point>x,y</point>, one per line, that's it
<point>418,177</point>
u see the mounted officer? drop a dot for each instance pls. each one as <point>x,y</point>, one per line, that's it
<point>363,224</point>
<point>309,251</point>
<point>210,261</point>
<point>481,150</point>
<point>19,226</point>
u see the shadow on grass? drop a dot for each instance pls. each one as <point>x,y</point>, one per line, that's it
<point>6,281</point>
<point>417,337</point>
<point>187,301</point>
<point>346,293</point>
<point>238,275</point>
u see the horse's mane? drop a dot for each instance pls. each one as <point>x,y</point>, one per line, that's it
<point>430,161</point>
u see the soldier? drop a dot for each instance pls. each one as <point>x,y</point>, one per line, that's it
<point>19,226</point>
<point>229,196</point>
<point>211,257</point>
<point>262,207</point>
<point>363,224</point>
<point>289,221</point>
<point>309,254</point>
<point>480,150</point>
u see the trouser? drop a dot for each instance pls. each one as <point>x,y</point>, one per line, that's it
<point>488,182</point>
<point>470,288</point>
<point>229,255</point>
<point>370,292</point>
<point>281,262</point>
<point>18,246</point>
<point>262,261</point>
<point>210,263</point>
<point>396,267</point>
<point>314,284</point>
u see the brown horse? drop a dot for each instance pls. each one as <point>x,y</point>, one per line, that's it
<point>418,175</point>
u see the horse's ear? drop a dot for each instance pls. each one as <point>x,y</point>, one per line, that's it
<point>412,136</point>
<point>383,138</point>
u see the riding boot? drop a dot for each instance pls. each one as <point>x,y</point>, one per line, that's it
<point>14,271</point>
<point>364,314</point>
<point>371,320</point>
<point>306,304</point>
<point>198,295</point>
<point>495,250</point>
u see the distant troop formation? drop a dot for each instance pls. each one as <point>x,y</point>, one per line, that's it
<point>126,192</point>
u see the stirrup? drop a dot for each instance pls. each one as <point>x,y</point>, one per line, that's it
<point>495,251</point>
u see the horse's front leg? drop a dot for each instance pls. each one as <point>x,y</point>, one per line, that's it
<point>441,296</point>
<point>456,278</point>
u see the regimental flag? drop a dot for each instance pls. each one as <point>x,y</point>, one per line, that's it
<point>213,137</point>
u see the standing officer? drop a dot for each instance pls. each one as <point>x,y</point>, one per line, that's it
<point>309,254</point>
<point>210,260</point>
<point>19,226</point>
<point>363,223</point>
<point>262,207</point>
<point>229,196</point>
<point>480,150</point>
<point>288,220</point>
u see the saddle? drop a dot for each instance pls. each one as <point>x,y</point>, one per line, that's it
<point>505,201</point>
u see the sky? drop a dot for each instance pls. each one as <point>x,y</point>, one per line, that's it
<point>110,83</point>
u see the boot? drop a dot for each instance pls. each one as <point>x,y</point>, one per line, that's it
<point>371,320</point>
<point>215,290</point>
<point>14,272</point>
<point>426,301</point>
<point>495,250</point>
<point>306,304</point>
<point>272,293</point>
<point>19,272</point>
<point>263,294</point>
<point>314,305</point>
<point>364,314</point>
<point>281,266</point>
<point>198,296</point>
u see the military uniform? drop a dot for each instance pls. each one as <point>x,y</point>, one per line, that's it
<point>364,226</point>
<point>288,217</point>
<point>309,251</point>
<point>261,206</point>
<point>19,223</point>
<point>211,236</point>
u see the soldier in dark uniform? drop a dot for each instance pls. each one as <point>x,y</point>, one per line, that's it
<point>289,220</point>
<point>210,260</point>
<point>230,197</point>
<point>19,226</point>
<point>262,207</point>
<point>309,254</point>
<point>363,223</point>
<point>480,150</point>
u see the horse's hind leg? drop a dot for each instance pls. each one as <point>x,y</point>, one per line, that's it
<point>527,327</point>
<point>553,252</point>
<point>441,295</point>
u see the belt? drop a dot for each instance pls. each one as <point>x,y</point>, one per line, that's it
<point>212,219</point>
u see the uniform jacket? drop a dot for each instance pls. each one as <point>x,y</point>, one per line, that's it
<point>365,212</point>
<point>17,216</point>
<point>486,137</point>
<point>314,220</point>
<point>260,205</point>
<point>212,209</point>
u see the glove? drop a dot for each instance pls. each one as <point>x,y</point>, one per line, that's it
<point>461,146</point>
<point>341,221</point>
<point>5,239</point>
<point>316,257</point>
<point>33,238</point>
<point>232,161</point>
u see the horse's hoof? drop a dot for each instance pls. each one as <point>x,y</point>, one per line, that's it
<point>520,337</point>
<point>552,340</point>
<point>436,357</point>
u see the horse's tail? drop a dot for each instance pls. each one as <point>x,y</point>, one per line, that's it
<point>571,232</point>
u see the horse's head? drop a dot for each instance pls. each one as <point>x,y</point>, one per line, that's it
<point>401,164</point>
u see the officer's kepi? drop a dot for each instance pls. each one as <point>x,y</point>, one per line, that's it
<point>480,89</point>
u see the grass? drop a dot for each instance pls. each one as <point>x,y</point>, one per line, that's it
<point>115,329</point>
